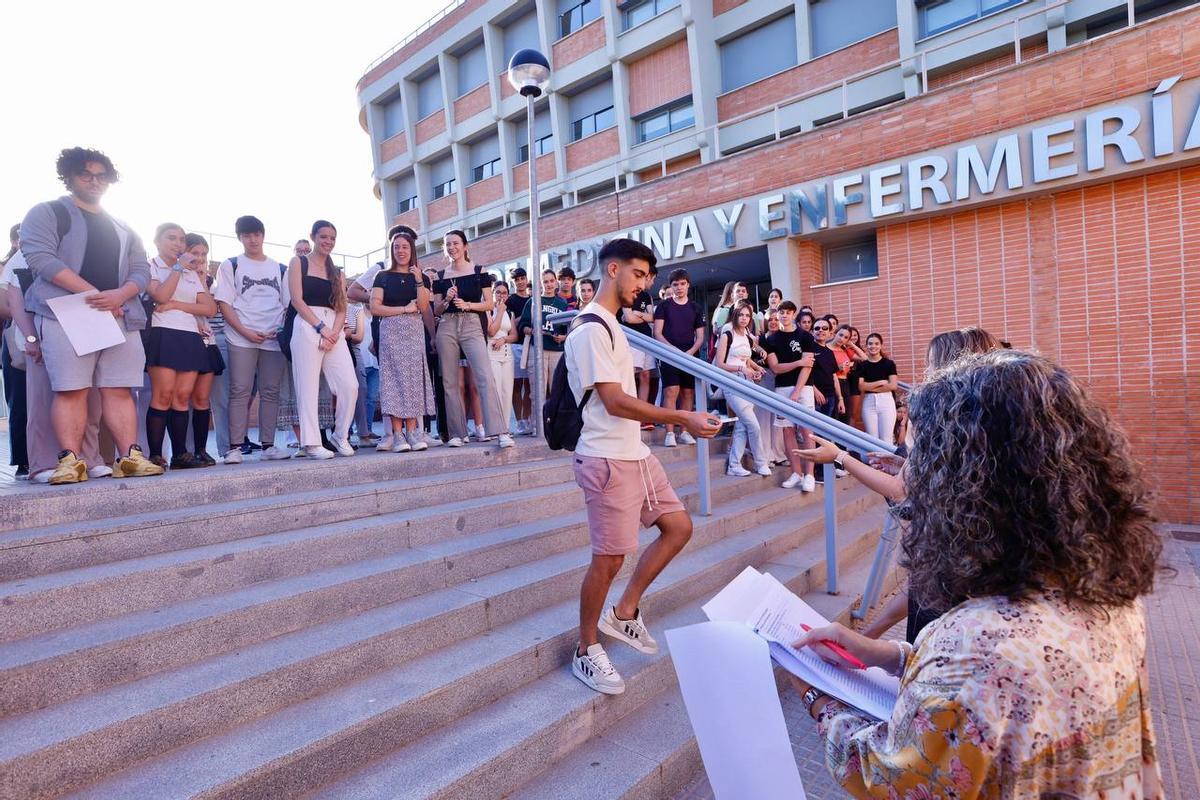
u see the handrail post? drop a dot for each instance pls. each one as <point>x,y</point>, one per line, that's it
<point>702,477</point>
<point>1017,40</point>
<point>883,556</point>
<point>831,554</point>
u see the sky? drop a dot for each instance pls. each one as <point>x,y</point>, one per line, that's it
<point>208,110</point>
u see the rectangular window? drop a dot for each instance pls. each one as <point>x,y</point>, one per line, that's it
<point>540,146</point>
<point>576,15</point>
<point>485,170</point>
<point>852,261</point>
<point>759,53</point>
<point>443,189</point>
<point>406,204</point>
<point>472,69</point>
<point>639,11</point>
<point>662,121</point>
<point>429,96</point>
<point>519,34</point>
<point>942,15</point>
<point>838,23</point>
<point>592,123</point>
<point>393,118</point>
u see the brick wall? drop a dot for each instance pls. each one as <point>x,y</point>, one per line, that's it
<point>411,218</point>
<point>477,100</point>
<point>578,44</point>
<point>879,49</point>
<point>435,31</point>
<point>592,149</point>
<point>390,148</point>
<point>679,164</point>
<point>431,126</point>
<point>443,208</point>
<point>506,89</point>
<point>1028,50</point>
<point>721,6</point>
<point>485,191</point>
<point>659,78</point>
<point>546,172</point>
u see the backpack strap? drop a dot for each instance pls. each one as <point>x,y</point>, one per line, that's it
<point>62,218</point>
<point>584,319</point>
<point>304,266</point>
<point>728,345</point>
<point>233,264</point>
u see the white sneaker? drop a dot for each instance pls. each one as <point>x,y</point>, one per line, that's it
<point>343,447</point>
<point>275,453</point>
<point>234,456</point>
<point>101,471</point>
<point>42,477</point>
<point>765,470</point>
<point>792,481</point>
<point>402,444</point>
<point>630,631</point>
<point>669,440</point>
<point>809,484</point>
<point>522,427</point>
<point>737,470</point>
<point>300,452</point>
<point>686,438</point>
<point>430,440</point>
<point>595,670</point>
<point>841,473</point>
<point>506,441</point>
<point>384,444</point>
<point>416,440</point>
<point>317,451</point>
<point>455,442</point>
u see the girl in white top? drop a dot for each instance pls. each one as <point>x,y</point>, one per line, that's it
<point>734,350</point>
<point>175,349</point>
<point>502,334</point>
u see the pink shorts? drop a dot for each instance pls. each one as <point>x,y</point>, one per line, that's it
<point>622,497</point>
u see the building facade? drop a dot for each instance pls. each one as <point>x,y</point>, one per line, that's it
<point>1029,166</point>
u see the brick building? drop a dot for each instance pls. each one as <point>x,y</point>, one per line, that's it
<point>1029,166</point>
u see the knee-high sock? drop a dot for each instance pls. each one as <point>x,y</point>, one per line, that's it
<point>200,418</point>
<point>156,428</point>
<point>177,423</point>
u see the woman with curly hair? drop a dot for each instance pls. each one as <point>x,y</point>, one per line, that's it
<point>1031,523</point>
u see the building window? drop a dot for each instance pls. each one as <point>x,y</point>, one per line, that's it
<point>942,15</point>
<point>406,204</point>
<point>839,23</point>
<point>443,189</point>
<point>760,53</point>
<point>593,123</point>
<point>540,146</point>
<point>576,16</point>
<point>666,120</point>
<point>485,170</point>
<point>852,261</point>
<point>638,11</point>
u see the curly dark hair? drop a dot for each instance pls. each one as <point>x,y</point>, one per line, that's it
<point>74,160</point>
<point>1019,482</point>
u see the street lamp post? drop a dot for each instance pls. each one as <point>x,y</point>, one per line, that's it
<point>529,74</point>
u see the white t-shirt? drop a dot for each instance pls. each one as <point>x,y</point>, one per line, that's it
<point>258,294</point>
<point>594,358</point>
<point>186,290</point>
<point>367,279</point>
<point>9,276</point>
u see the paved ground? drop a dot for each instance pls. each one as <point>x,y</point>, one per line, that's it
<point>1173,615</point>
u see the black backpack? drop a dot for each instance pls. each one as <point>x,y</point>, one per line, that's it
<point>562,418</point>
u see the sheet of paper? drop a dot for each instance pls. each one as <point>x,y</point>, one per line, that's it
<point>88,329</point>
<point>728,687</point>
<point>737,600</point>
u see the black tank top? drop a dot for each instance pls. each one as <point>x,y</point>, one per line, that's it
<point>317,292</point>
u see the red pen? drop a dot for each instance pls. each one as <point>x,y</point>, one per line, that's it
<point>837,648</point>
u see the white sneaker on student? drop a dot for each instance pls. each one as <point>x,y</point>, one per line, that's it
<point>317,451</point>
<point>343,447</point>
<point>522,429</point>
<point>506,441</point>
<point>234,456</point>
<point>686,438</point>
<point>630,631</point>
<point>669,440</point>
<point>430,440</point>
<point>385,444</point>
<point>100,471</point>
<point>455,442</point>
<point>809,484</point>
<point>596,671</point>
<point>402,445</point>
<point>765,470</point>
<point>275,453</point>
<point>737,471</point>
<point>416,440</point>
<point>792,481</point>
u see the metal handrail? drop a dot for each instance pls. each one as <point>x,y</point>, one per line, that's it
<point>424,26</point>
<point>827,427</point>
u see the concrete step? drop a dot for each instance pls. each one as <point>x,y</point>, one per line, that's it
<point>652,752</point>
<point>51,668</point>
<point>24,506</point>
<point>278,755</point>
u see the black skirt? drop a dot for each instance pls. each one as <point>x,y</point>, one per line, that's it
<point>182,351</point>
<point>216,363</point>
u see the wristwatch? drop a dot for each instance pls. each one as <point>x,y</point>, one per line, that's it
<point>837,462</point>
<point>810,696</point>
<point>31,339</point>
<point>320,326</point>
<point>177,267</point>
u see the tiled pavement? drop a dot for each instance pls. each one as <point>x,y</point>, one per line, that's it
<point>1173,617</point>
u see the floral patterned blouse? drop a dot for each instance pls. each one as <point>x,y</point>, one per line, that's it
<point>1009,699</point>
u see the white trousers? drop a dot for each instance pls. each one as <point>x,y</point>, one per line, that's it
<point>879,415</point>
<point>746,429</point>
<point>503,378</point>
<point>308,364</point>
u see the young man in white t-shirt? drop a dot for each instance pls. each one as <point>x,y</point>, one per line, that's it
<point>624,486</point>
<point>253,298</point>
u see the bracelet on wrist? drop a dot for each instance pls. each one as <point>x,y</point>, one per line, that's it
<point>320,326</point>
<point>810,697</point>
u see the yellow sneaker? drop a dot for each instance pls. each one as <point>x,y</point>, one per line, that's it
<point>135,465</point>
<point>70,469</point>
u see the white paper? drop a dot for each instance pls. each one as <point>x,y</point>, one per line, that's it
<point>88,329</point>
<point>775,613</point>
<point>728,687</point>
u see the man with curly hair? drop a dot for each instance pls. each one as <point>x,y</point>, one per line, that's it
<point>73,246</point>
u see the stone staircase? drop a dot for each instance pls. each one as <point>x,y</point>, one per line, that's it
<point>385,626</point>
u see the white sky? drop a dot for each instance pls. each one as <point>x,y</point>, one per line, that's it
<point>209,110</point>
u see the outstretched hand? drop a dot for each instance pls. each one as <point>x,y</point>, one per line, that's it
<point>824,453</point>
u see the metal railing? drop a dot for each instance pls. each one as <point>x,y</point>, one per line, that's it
<point>829,428</point>
<point>424,26</point>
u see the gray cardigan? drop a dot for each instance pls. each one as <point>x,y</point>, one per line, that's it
<point>47,256</point>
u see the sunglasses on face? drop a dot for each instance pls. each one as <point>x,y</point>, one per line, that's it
<point>102,178</point>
